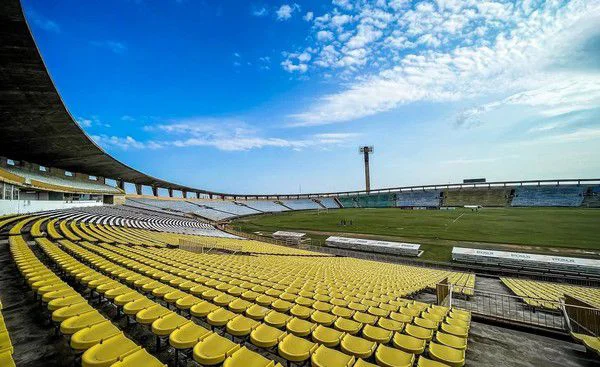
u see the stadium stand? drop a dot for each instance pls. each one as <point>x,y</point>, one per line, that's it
<point>6,347</point>
<point>54,183</point>
<point>368,201</point>
<point>568,195</point>
<point>329,203</point>
<point>592,197</point>
<point>232,207</point>
<point>483,197</point>
<point>425,198</point>
<point>301,204</point>
<point>531,291</point>
<point>320,309</point>
<point>266,206</point>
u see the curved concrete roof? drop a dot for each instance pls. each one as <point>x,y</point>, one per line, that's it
<point>35,125</point>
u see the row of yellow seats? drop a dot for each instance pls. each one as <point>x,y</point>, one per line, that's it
<point>75,315</point>
<point>261,268</point>
<point>535,293</point>
<point>591,342</point>
<point>6,347</point>
<point>219,317</point>
<point>147,312</point>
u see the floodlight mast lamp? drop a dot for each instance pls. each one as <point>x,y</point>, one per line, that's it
<point>366,150</point>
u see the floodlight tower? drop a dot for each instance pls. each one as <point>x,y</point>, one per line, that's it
<point>366,150</point>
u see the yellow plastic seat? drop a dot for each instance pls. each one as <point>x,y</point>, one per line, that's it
<point>264,300</point>
<point>257,312</point>
<point>203,308</point>
<point>113,293</point>
<point>424,362</point>
<point>450,340</point>
<point>322,306</point>
<point>302,312</point>
<point>62,293</point>
<point>172,297</point>
<point>413,312</point>
<point>592,343</point>
<point>52,287</point>
<point>358,306</point>
<point>295,349</point>
<point>220,317</point>
<point>239,305</point>
<point>342,312</point>
<point>76,323</point>
<point>457,322</point>
<point>277,319</point>
<point>327,336</point>
<point>148,315</point>
<point>69,311</point>
<point>323,318</point>
<point>418,332</point>
<point>139,358</point>
<point>6,359</point>
<point>450,356</point>
<point>364,318</point>
<point>90,336</point>
<point>454,330</point>
<point>433,316</point>
<point>347,326</point>
<point>300,327</point>
<point>326,357</point>
<point>185,303</point>
<point>362,363</point>
<point>187,336</point>
<point>213,349</point>
<point>408,343</point>
<point>160,292</point>
<point>246,358</point>
<point>392,357</point>
<point>266,336</point>
<point>379,312</point>
<point>123,299</point>
<point>425,323</point>
<point>133,307</point>
<point>377,334</point>
<point>223,299</point>
<point>281,305</point>
<point>241,326</point>
<point>167,324</point>
<point>5,342</point>
<point>358,347</point>
<point>390,324</point>
<point>406,319</point>
<point>108,352</point>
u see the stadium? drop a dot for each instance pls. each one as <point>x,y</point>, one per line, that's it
<point>103,265</point>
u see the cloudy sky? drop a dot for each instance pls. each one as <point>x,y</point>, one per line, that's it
<point>277,96</point>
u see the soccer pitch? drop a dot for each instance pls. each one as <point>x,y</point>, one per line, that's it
<point>568,231</point>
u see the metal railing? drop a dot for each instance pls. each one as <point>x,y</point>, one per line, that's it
<point>512,309</point>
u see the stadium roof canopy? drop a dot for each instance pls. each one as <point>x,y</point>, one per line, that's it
<point>35,125</point>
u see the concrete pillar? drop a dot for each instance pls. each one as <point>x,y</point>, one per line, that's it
<point>138,189</point>
<point>170,192</point>
<point>154,191</point>
<point>121,184</point>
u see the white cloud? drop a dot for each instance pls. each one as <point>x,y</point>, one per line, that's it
<point>116,47</point>
<point>534,51</point>
<point>125,143</point>
<point>260,12</point>
<point>226,135</point>
<point>324,36</point>
<point>308,16</point>
<point>285,11</point>
<point>83,122</point>
<point>43,22</point>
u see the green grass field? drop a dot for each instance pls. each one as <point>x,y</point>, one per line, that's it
<point>534,229</point>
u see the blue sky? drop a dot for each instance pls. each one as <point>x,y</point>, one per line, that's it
<point>259,97</point>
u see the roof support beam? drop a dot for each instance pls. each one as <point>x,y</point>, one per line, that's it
<point>154,191</point>
<point>138,189</point>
